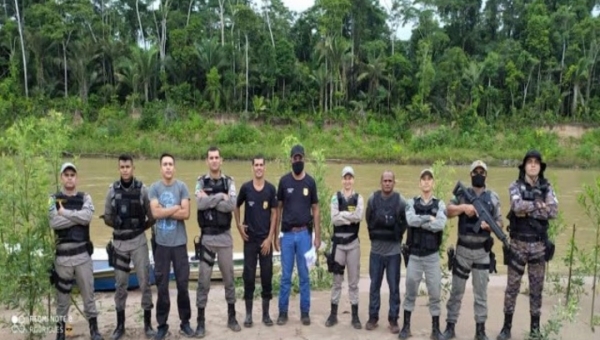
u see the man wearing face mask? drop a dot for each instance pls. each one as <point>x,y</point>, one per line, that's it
<point>346,212</point>
<point>472,251</point>
<point>532,203</point>
<point>298,215</point>
<point>386,221</point>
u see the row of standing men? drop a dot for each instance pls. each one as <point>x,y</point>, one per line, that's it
<point>131,208</point>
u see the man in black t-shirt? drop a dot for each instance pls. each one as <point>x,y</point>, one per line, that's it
<point>298,214</point>
<point>260,216</point>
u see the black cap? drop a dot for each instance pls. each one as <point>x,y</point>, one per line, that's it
<point>533,154</point>
<point>297,150</point>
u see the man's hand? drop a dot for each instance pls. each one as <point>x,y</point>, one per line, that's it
<point>317,242</point>
<point>540,205</point>
<point>61,209</point>
<point>242,230</point>
<point>470,210</point>
<point>276,244</point>
<point>265,247</point>
<point>225,197</point>
<point>485,226</point>
<point>431,218</point>
<point>201,194</point>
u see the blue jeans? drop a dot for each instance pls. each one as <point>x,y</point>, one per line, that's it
<point>391,265</point>
<point>294,245</point>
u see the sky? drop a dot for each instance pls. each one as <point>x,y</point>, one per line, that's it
<point>302,5</point>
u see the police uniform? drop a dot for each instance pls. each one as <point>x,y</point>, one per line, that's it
<point>472,256</point>
<point>73,262</point>
<point>346,214</point>
<point>127,211</point>
<point>214,220</point>
<point>528,242</point>
<point>424,238</point>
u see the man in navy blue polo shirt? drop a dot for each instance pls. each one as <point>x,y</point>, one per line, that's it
<point>298,214</point>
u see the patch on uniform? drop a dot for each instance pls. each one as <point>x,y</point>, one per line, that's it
<point>265,205</point>
<point>351,208</point>
<point>51,203</point>
<point>305,191</point>
<point>334,199</point>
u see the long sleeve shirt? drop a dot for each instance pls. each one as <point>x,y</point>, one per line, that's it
<point>522,208</point>
<point>424,221</point>
<point>221,204</point>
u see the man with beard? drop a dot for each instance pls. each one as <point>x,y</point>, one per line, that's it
<point>472,251</point>
<point>260,215</point>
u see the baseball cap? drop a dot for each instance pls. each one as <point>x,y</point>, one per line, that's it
<point>297,150</point>
<point>426,171</point>
<point>478,164</point>
<point>66,166</point>
<point>347,171</point>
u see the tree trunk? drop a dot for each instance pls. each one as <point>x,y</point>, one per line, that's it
<point>66,79</point>
<point>187,21</point>
<point>247,73</point>
<point>269,23</point>
<point>20,27</point>
<point>222,16</point>
<point>137,12</point>
<point>574,103</point>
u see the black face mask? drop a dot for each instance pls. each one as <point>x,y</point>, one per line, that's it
<point>478,181</point>
<point>298,167</point>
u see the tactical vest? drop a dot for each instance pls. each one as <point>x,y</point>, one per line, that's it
<point>352,228</point>
<point>211,221</point>
<point>466,224</point>
<point>383,226</point>
<point>528,225</point>
<point>76,233</point>
<point>423,242</point>
<point>129,212</point>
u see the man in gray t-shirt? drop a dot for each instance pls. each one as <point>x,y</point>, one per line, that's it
<point>170,205</point>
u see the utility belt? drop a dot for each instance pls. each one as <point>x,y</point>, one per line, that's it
<point>202,253</point>
<point>344,240</point>
<point>113,256</point>
<point>214,230</point>
<point>510,256</point>
<point>87,247</point>
<point>529,238</point>
<point>486,245</point>
<point>128,236</point>
<point>462,272</point>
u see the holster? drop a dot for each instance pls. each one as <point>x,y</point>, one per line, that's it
<point>549,250</point>
<point>110,250</point>
<point>153,243</point>
<point>451,257</point>
<point>332,266</point>
<point>506,254</point>
<point>493,263</point>
<point>201,250</point>
<point>405,250</point>
<point>488,245</point>
<point>53,276</point>
<point>90,248</point>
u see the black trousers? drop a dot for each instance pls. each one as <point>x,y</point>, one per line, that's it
<point>181,267</point>
<point>252,255</point>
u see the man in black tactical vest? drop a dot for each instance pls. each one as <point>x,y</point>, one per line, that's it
<point>347,207</point>
<point>127,211</point>
<point>70,215</point>
<point>386,221</point>
<point>216,198</point>
<point>473,251</point>
<point>426,218</point>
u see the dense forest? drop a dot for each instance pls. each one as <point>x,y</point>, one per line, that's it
<point>492,59</point>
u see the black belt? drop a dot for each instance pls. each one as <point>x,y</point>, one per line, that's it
<point>72,252</point>
<point>213,230</point>
<point>422,252</point>
<point>528,237</point>
<point>343,240</point>
<point>128,236</point>
<point>298,229</point>
<point>471,245</point>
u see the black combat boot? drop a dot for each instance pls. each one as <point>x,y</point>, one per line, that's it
<point>161,332</point>
<point>60,330</point>
<point>480,331</point>
<point>449,332</point>
<point>332,319</point>
<point>355,320</point>
<point>148,324</point>
<point>505,332</point>
<point>405,332</point>
<point>436,334</point>
<point>305,318</point>
<point>200,331</point>
<point>535,328</point>
<point>266,318</point>
<point>248,320</point>
<point>231,321</point>
<point>120,330</point>
<point>94,333</point>
<point>282,319</point>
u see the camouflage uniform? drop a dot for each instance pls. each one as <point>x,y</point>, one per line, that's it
<point>528,244</point>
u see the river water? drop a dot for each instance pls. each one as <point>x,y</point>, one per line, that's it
<point>95,175</point>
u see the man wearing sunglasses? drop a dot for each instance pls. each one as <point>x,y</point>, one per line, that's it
<point>472,251</point>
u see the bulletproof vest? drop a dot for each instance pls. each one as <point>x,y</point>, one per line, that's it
<point>211,221</point>
<point>347,205</point>
<point>386,217</point>
<point>466,224</point>
<point>129,212</point>
<point>424,242</point>
<point>76,233</point>
<point>527,224</point>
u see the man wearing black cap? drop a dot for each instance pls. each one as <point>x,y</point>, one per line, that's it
<point>472,251</point>
<point>70,215</point>
<point>426,218</point>
<point>532,203</point>
<point>347,207</point>
<point>298,215</point>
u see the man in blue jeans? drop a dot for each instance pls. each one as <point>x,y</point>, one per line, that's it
<point>386,221</point>
<point>298,212</point>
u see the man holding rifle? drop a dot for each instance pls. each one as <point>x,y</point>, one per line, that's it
<point>473,249</point>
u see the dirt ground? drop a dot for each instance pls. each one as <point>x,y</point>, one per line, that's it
<point>216,314</point>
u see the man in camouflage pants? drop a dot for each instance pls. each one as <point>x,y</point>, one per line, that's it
<point>532,203</point>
